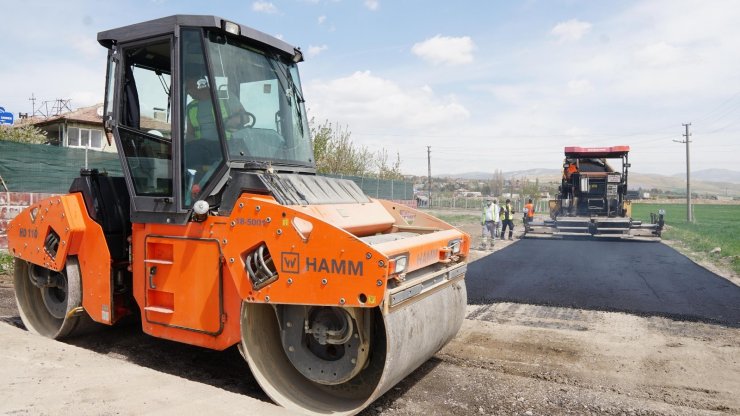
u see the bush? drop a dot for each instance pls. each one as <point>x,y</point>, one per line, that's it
<point>6,263</point>
<point>23,134</point>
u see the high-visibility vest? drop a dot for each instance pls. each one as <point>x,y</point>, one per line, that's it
<point>196,118</point>
<point>488,213</point>
<point>508,214</point>
<point>530,210</point>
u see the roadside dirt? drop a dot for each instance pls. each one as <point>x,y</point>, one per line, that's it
<point>7,298</point>
<point>507,359</point>
<point>524,359</point>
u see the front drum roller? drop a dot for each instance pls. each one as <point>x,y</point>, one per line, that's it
<point>320,368</point>
<point>50,302</point>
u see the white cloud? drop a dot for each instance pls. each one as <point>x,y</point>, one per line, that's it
<point>577,132</point>
<point>322,19</point>
<point>315,50</point>
<point>570,31</point>
<point>264,7</point>
<point>372,4</point>
<point>54,79</point>
<point>659,54</point>
<point>86,45</point>
<point>579,87</point>
<point>445,50</point>
<point>368,101</point>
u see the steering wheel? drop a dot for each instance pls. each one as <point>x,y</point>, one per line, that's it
<point>251,119</point>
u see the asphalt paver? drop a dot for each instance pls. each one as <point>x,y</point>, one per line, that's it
<point>643,278</point>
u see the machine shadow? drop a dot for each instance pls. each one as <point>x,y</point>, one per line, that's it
<point>13,321</point>
<point>636,277</point>
<point>223,369</point>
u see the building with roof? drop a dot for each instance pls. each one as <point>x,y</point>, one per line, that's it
<point>81,128</point>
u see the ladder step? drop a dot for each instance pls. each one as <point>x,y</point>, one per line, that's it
<point>159,309</point>
<point>155,261</point>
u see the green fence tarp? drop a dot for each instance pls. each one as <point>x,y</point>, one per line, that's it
<point>382,189</point>
<point>49,169</point>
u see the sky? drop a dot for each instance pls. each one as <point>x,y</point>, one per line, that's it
<point>486,84</point>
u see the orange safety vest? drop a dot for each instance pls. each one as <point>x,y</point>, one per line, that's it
<point>530,210</point>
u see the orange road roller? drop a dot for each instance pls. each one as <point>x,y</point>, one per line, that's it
<point>220,233</point>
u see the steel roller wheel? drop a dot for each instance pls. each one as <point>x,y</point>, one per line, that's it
<point>306,359</point>
<point>49,302</point>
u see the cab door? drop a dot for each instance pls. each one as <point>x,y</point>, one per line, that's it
<point>143,124</point>
<point>183,283</point>
<point>177,275</point>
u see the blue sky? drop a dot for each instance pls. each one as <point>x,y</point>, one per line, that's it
<point>487,84</point>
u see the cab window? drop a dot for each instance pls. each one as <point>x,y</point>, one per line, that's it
<point>144,127</point>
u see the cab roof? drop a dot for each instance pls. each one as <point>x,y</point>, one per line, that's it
<point>597,152</point>
<point>168,24</point>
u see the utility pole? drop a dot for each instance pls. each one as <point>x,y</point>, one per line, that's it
<point>688,172</point>
<point>429,173</point>
<point>33,105</point>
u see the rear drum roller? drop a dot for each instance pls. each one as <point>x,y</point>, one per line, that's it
<point>50,302</point>
<point>320,360</point>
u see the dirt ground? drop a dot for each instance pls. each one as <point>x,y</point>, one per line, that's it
<point>508,359</point>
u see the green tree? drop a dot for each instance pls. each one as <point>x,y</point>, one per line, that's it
<point>335,153</point>
<point>385,170</point>
<point>530,189</point>
<point>23,134</point>
<point>497,183</point>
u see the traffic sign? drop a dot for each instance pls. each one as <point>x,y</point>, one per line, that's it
<point>5,117</point>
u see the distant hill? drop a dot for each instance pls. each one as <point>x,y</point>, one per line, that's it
<point>469,175</point>
<point>713,175</point>
<point>546,175</point>
<point>678,184</point>
<point>529,173</point>
<point>708,181</point>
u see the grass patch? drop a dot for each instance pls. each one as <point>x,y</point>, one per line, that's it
<point>455,218</point>
<point>6,263</point>
<point>714,226</point>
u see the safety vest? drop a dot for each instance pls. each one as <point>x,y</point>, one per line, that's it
<point>198,119</point>
<point>507,212</point>
<point>488,213</point>
<point>530,210</point>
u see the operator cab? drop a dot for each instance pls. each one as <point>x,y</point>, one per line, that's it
<point>190,99</point>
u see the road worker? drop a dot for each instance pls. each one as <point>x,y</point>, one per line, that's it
<point>507,216</point>
<point>488,221</point>
<point>528,214</point>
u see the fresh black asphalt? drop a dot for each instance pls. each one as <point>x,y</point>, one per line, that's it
<point>644,278</point>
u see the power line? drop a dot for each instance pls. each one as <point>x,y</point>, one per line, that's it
<point>688,170</point>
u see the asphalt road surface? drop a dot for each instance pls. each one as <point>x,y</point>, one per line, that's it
<point>644,278</point>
